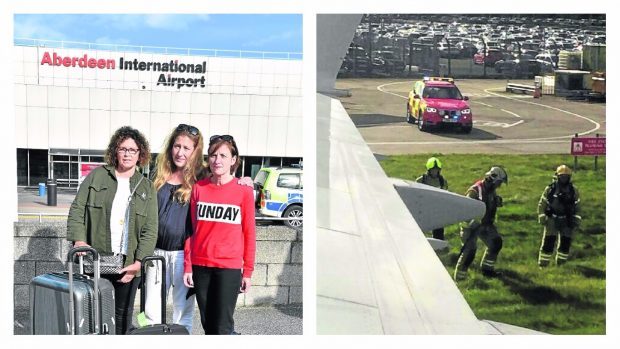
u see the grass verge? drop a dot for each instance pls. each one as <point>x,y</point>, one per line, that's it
<point>569,299</point>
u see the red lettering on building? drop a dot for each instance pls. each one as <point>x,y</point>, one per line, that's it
<point>82,62</point>
<point>46,59</point>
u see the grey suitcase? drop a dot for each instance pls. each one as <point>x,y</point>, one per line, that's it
<point>50,301</point>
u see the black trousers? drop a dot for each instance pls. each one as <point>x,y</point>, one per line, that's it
<point>124,296</point>
<point>216,294</point>
<point>438,234</point>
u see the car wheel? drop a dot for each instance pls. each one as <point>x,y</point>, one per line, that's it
<point>294,211</point>
<point>421,126</point>
<point>409,121</point>
<point>466,129</point>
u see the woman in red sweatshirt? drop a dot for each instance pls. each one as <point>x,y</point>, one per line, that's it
<point>219,256</point>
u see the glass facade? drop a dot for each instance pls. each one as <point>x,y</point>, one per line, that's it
<point>34,166</point>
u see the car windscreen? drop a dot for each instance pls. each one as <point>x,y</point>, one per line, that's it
<point>448,92</point>
<point>289,180</point>
<point>261,177</point>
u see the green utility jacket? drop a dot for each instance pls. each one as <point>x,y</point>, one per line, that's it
<point>89,216</point>
<point>434,182</point>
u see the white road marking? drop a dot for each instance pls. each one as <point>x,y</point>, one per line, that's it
<point>482,123</point>
<point>511,113</point>
<point>597,125</point>
<point>477,95</point>
<point>486,105</point>
<point>503,141</point>
<point>515,124</point>
<point>520,96</point>
<point>394,124</point>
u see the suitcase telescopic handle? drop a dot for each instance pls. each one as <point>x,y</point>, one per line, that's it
<point>163,284</point>
<point>70,257</point>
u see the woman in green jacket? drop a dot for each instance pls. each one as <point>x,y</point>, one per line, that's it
<point>98,213</point>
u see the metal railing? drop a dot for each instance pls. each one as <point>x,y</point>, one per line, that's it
<point>40,215</point>
<point>158,50</point>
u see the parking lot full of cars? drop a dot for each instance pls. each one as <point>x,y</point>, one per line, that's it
<point>468,45</point>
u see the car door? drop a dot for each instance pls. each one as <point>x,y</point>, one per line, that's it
<point>418,91</point>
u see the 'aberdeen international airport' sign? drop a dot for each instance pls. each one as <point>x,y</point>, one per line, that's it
<point>166,68</point>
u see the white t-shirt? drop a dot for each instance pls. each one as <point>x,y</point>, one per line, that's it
<point>117,216</point>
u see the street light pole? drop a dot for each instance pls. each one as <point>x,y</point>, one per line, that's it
<point>484,57</point>
<point>369,45</point>
<point>449,56</point>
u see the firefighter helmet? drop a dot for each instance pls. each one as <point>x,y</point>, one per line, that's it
<point>497,173</point>
<point>433,162</point>
<point>563,170</point>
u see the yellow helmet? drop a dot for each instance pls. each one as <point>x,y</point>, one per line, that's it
<point>433,162</point>
<point>563,170</point>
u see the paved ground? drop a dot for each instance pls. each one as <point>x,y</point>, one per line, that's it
<point>503,122</point>
<point>279,320</point>
<point>29,201</point>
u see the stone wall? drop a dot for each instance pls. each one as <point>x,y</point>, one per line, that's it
<point>41,248</point>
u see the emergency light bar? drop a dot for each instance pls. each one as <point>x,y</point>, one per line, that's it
<point>438,78</point>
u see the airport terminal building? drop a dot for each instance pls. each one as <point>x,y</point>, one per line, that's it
<point>71,97</point>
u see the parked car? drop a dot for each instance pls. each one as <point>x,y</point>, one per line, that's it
<point>279,193</point>
<point>391,62</point>
<point>521,67</point>
<point>438,102</point>
<point>466,49</point>
<point>444,52</point>
<point>356,61</point>
<point>492,56</point>
<point>549,58</point>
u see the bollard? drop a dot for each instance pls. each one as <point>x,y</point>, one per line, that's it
<point>537,90</point>
<point>41,189</point>
<point>51,192</point>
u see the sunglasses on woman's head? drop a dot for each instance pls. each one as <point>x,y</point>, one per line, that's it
<point>188,128</point>
<point>226,138</point>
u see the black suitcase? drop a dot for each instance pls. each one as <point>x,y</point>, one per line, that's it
<point>66,303</point>
<point>163,328</point>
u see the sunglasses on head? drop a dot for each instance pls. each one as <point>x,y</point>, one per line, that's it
<point>226,138</point>
<point>189,129</point>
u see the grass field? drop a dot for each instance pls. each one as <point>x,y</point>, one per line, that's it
<point>569,299</point>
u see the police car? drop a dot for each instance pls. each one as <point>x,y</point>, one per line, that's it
<point>279,193</point>
<point>438,102</point>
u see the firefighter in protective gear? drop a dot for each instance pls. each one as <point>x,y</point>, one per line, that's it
<point>558,212</point>
<point>484,228</point>
<point>434,178</point>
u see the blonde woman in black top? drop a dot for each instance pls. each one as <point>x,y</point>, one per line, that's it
<point>179,166</point>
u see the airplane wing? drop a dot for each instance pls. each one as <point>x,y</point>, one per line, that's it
<point>376,272</point>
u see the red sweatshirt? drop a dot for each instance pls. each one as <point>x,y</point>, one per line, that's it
<point>224,234</point>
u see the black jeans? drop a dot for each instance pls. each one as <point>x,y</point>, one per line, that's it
<point>438,234</point>
<point>216,294</point>
<point>124,296</point>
